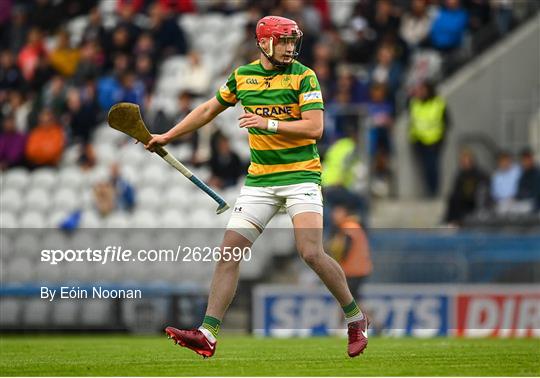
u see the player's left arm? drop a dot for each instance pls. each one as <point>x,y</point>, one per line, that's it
<point>310,126</point>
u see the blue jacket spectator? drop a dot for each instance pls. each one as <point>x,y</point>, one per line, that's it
<point>132,89</point>
<point>125,192</point>
<point>504,182</point>
<point>109,91</point>
<point>121,85</point>
<point>449,26</point>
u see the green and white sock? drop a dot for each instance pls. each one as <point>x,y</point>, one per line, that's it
<point>211,326</point>
<point>352,312</point>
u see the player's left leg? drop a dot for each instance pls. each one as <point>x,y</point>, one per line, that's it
<point>308,234</point>
<point>304,205</point>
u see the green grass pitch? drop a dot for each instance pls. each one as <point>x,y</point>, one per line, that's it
<point>106,355</point>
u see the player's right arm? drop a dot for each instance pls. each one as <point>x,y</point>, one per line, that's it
<point>201,115</point>
<point>197,118</point>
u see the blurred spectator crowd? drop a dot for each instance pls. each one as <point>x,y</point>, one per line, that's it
<point>511,190</point>
<point>56,85</point>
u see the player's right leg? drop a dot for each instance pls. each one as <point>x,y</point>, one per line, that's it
<point>252,211</point>
<point>224,281</point>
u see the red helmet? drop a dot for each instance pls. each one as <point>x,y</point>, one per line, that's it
<point>275,28</point>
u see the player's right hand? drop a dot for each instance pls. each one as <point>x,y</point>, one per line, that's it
<point>158,140</point>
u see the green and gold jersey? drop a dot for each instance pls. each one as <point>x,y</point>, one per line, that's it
<point>282,95</point>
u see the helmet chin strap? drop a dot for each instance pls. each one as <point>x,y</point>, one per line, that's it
<point>270,56</point>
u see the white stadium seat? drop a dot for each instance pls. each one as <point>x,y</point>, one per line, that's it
<point>180,182</point>
<point>16,178</point>
<point>32,219</point>
<point>66,312</point>
<point>199,200</point>
<point>56,240</point>
<point>99,174</point>
<point>20,269</point>
<point>117,220</point>
<point>91,219</point>
<point>136,240</point>
<point>215,23</point>
<point>37,199</point>
<point>131,174</point>
<point>83,239</point>
<point>111,237</point>
<point>132,154</point>
<point>238,20</point>
<point>76,28</point>
<point>11,200</point>
<point>167,102</point>
<point>107,7</point>
<point>43,178</point>
<point>189,22</point>
<point>10,311</point>
<point>255,267</point>
<point>86,198</point>
<point>168,238</point>
<point>66,199</point>
<point>8,220</point>
<point>47,273</point>
<point>36,312</point>
<point>56,217</point>
<point>81,272</point>
<point>27,243</point>
<point>148,198</point>
<point>107,135</point>
<point>181,152</point>
<point>71,155</point>
<point>111,272</point>
<point>143,219</point>
<point>201,217</point>
<point>173,218</point>
<point>341,11</point>
<point>95,312</point>
<point>106,153</point>
<point>171,66</point>
<point>7,246</point>
<point>155,174</point>
<point>71,177</point>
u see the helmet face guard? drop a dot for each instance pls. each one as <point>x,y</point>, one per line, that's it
<point>279,30</point>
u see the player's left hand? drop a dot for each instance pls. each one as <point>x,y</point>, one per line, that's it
<point>249,120</point>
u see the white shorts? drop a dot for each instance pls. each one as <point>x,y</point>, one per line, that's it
<point>258,205</point>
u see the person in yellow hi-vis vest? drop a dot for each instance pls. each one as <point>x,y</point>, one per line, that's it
<point>429,123</point>
<point>341,176</point>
